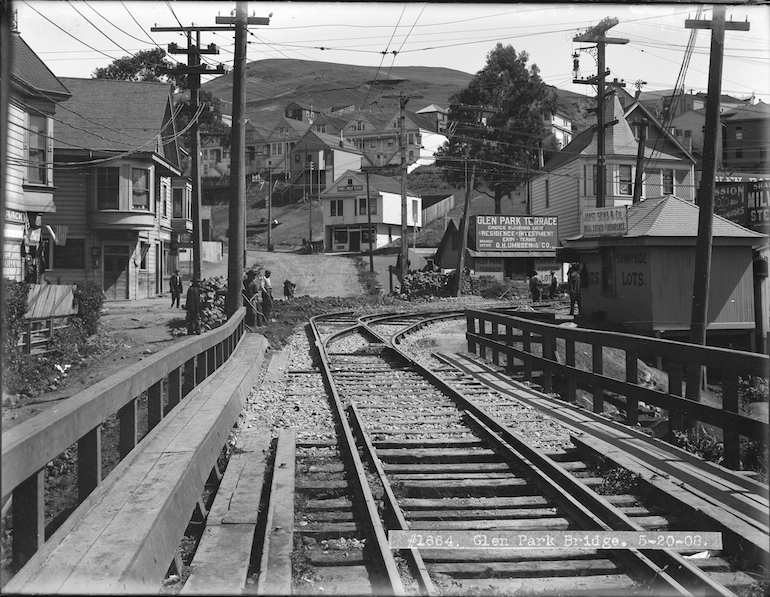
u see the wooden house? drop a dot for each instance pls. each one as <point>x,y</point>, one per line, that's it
<point>567,184</point>
<point>120,143</point>
<point>345,218</point>
<point>29,179</point>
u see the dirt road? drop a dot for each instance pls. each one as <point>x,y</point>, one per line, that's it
<point>314,275</point>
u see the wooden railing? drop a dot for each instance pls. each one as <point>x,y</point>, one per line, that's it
<point>27,448</point>
<point>515,337</point>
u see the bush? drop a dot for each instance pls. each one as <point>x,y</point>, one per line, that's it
<point>90,299</point>
<point>701,443</point>
<point>14,308</point>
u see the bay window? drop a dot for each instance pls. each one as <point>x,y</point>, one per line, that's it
<point>140,189</point>
<point>37,153</point>
<point>108,188</point>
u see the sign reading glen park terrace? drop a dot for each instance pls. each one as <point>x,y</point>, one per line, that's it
<point>604,221</point>
<point>516,233</point>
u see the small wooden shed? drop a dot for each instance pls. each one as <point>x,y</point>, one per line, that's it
<point>643,278</point>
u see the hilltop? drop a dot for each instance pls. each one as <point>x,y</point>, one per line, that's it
<point>272,84</point>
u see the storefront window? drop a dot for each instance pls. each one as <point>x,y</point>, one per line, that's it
<point>341,236</point>
<point>69,256</point>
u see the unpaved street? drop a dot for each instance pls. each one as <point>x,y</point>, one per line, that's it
<point>314,275</point>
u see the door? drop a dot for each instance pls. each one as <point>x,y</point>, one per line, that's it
<point>355,240</point>
<point>116,271</point>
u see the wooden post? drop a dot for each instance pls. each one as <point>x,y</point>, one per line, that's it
<point>129,428</point>
<point>527,348</point>
<point>569,354</point>
<point>28,518</point>
<point>732,439</point>
<point>470,328</point>
<point>483,334</point>
<point>674,371</point>
<point>632,377</point>
<point>597,366</point>
<point>189,377</point>
<point>89,462</point>
<point>496,350</point>
<point>211,361</point>
<point>174,388</point>
<point>548,342</point>
<point>509,343</point>
<point>201,368</point>
<point>154,404</point>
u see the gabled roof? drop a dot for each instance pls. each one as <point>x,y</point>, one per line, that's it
<point>32,75</point>
<point>619,140</point>
<point>114,115</point>
<point>317,139</point>
<point>433,108</point>
<point>661,129</point>
<point>671,216</point>
<point>297,126</point>
<point>377,183</point>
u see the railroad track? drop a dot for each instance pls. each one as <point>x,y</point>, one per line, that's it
<point>441,463</point>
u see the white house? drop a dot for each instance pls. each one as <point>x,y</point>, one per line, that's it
<point>345,218</point>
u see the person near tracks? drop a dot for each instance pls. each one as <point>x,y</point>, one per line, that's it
<point>251,296</point>
<point>553,286</point>
<point>573,286</point>
<point>267,295</point>
<point>193,306</point>
<point>288,289</point>
<point>176,288</point>
<point>534,286</point>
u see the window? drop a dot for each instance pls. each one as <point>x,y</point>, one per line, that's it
<point>411,154</point>
<point>205,154</point>
<point>738,154</point>
<point>296,158</point>
<point>108,188</point>
<point>738,133</point>
<point>178,205</point>
<point>37,142</point>
<point>547,194</point>
<point>372,144</point>
<point>608,271</point>
<point>140,188</point>
<point>69,256</point>
<point>625,186</point>
<point>341,236</point>
<point>362,206</point>
<point>144,249</point>
<point>336,207</point>
<point>589,182</point>
<point>249,134</point>
<point>321,128</point>
<point>688,134</point>
<point>391,142</point>
<point>410,138</point>
<point>251,154</point>
<point>668,182</point>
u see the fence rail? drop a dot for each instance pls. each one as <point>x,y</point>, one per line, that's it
<point>31,445</point>
<point>516,337</point>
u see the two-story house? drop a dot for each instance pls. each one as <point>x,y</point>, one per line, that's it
<point>29,181</point>
<point>438,116</point>
<point>345,217</point>
<point>745,138</point>
<point>317,160</point>
<point>215,157</point>
<point>567,184</point>
<point>119,142</point>
<point>377,135</point>
<point>279,142</point>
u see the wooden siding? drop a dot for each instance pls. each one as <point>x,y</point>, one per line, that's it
<point>731,300</point>
<point>563,191</point>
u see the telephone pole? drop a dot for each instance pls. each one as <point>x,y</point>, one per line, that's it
<point>403,99</point>
<point>194,70</point>
<point>701,281</point>
<point>596,35</point>
<point>641,126</point>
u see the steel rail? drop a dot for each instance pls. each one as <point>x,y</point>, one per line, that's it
<point>672,562</point>
<point>360,482</point>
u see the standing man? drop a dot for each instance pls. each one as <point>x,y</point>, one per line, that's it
<point>251,297</point>
<point>573,285</point>
<point>267,296</point>
<point>553,286</point>
<point>534,286</point>
<point>193,306</point>
<point>176,288</point>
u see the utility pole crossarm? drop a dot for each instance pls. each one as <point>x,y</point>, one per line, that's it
<point>249,21</point>
<point>703,24</point>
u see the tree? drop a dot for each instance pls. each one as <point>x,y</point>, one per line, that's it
<point>145,65</point>
<point>211,122</point>
<point>506,138</point>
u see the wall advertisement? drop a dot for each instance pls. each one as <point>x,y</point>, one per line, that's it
<point>745,203</point>
<point>604,221</point>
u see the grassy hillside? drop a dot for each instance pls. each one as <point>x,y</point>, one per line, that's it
<point>272,84</point>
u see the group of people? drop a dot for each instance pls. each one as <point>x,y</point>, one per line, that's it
<point>258,295</point>
<point>574,285</point>
<point>192,301</point>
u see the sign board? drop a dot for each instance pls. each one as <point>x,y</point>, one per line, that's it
<point>516,233</point>
<point>604,221</point>
<point>183,239</point>
<point>744,203</point>
<point>350,187</point>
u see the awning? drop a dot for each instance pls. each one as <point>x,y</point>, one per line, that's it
<point>508,254</point>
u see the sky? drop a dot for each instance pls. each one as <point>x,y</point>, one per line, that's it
<point>74,38</point>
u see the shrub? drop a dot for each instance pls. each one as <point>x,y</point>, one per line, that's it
<point>701,443</point>
<point>90,299</point>
<point>14,308</point>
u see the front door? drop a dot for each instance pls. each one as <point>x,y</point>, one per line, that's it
<point>355,240</point>
<point>116,259</point>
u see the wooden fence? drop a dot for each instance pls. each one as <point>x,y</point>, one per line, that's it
<point>31,445</point>
<point>530,345</point>
<point>49,307</point>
